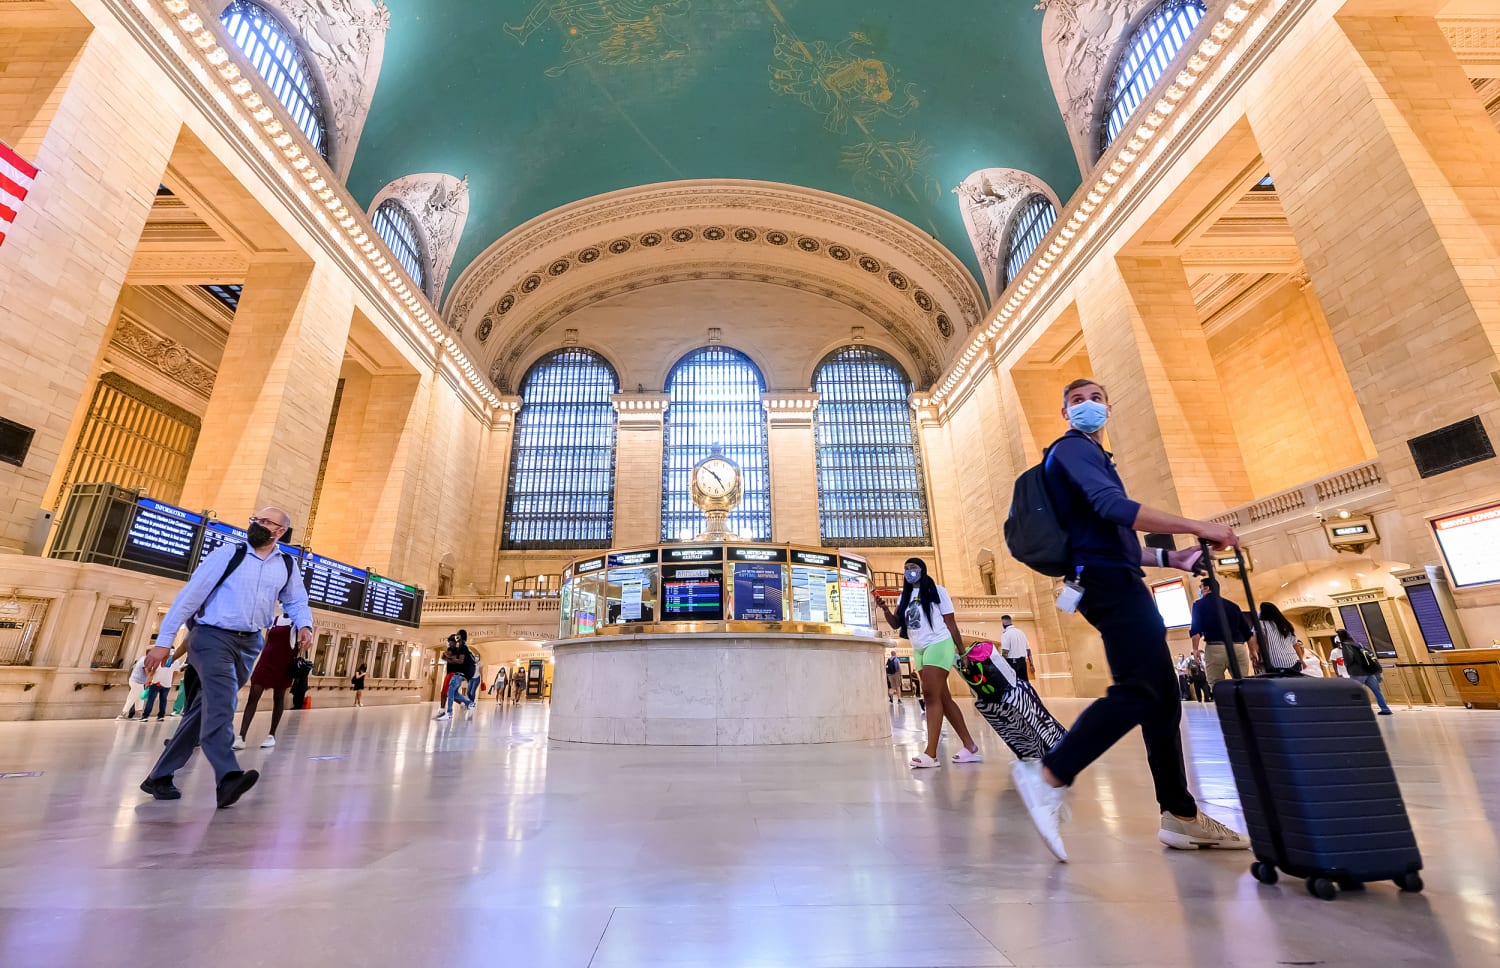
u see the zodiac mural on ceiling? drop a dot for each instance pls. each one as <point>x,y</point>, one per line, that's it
<point>848,85</point>
<point>608,32</point>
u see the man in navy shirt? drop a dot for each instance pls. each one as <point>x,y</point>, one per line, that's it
<point>1208,628</point>
<point>1107,560</point>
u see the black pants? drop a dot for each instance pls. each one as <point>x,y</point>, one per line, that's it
<point>1144,694</point>
<point>1020,666</point>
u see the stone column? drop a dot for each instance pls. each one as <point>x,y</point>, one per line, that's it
<point>638,455</point>
<point>944,509</point>
<point>65,258</point>
<point>360,505</point>
<point>263,433</point>
<point>1170,428</point>
<point>1389,171</point>
<point>476,567</point>
<point>793,465</point>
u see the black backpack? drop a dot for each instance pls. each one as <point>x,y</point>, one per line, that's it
<point>1033,533</point>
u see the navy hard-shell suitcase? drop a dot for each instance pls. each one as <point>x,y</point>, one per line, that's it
<point>1315,781</point>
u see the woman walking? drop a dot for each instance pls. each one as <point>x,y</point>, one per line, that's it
<point>1280,641</point>
<point>925,618</point>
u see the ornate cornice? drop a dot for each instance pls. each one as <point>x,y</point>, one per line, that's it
<point>718,221</point>
<point>167,356</point>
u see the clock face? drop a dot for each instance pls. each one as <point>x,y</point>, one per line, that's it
<point>715,478</point>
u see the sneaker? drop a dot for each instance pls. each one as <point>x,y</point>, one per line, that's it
<point>471,711</point>
<point>1200,832</point>
<point>122,716</point>
<point>441,715</point>
<point>1046,804</point>
<point>239,743</point>
<point>235,785</point>
<point>268,743</point>
<point>1385,712</point>
<point>161,787</point>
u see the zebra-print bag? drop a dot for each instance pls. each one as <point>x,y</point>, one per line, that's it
<point>1010,705</point>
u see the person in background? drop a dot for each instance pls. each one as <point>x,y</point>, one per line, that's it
<point>357,683</point>
<point>1184,681</point>
<point>1198,673</point>
<point>1311,664</point>
<point>161,688</point>
<point>231,595</point>
<point>518,684</point>
<point>1108,564</point>
<point>1364,667</point>
<point>893,678</point>
<point>1017,650</point>
<point>1208,630</point>
<point>1336,659</point>
<point>926,620</point>
<point>500,685</point>
<point>139,680</point>
<point>1280,640</point>
<point>460,669</point>
<point>301,669</point>
<point>477,679</point>
<point>273,671</point>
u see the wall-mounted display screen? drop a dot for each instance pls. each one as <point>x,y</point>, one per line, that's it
<point>1430,621</point>
<point>388,599</point>
<point>692,593</point>
<point>757,592</point>
<point>815,595</point>
<point>1471,545</point>
<point>161,538</point>
<point>334,585</point>
<point>1173,603</point>
<point>854,596</point>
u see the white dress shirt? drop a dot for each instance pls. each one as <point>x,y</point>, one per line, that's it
<point>1013,643</point>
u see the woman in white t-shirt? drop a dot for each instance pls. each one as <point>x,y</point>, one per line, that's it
<point>1311,664</point>
<point>925,618</point>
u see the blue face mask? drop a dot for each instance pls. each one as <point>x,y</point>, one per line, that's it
<point>913,575</point>
<point>1088,416</point>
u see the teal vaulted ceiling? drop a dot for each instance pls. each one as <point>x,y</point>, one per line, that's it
<point>544,102</point>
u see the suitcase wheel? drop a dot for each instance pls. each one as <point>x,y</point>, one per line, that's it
<point>1263,872</point>
<point>1322,887</point>
<point>1411,883</point>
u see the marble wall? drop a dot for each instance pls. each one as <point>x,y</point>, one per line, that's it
<point>730,689</point>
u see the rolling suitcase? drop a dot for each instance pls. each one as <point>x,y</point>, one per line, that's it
<point>1320,796</point>
<point>1010,705</point>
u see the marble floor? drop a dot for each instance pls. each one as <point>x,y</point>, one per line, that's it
<point>380,837</point>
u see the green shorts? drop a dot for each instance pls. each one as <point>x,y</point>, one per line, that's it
<point>941,654</point>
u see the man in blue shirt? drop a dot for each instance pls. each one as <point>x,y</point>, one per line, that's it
<point>230,608</point>
<point>1209,633</point>
<point>1107,560</point>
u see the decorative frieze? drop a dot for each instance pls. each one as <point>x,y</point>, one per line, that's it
<point>164,355</point>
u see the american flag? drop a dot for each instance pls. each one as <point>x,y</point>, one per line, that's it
<point>16,176</point>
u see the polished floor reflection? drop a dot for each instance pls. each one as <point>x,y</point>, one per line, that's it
<point>380,837</point>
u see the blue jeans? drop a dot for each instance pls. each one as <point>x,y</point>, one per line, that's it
<point>1372,683</point>
<point>456,692</point>
<point>157,693</point>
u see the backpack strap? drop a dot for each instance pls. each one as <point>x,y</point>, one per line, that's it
<point>235,560</point>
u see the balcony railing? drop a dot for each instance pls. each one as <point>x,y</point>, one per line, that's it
<point>518,607</point>
<point>1326,493</point>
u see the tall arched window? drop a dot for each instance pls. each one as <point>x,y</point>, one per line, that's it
<point>561,492</point>
<point>401,234</point>
<point>1028,227</point>
<point>1149,50</point>
<point>273,51</point>
<point>714,398</point>
<point>869,475</point>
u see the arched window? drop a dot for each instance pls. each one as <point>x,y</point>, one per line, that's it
<point>714,398</point>
<point>1028,227</point>
<point>869,476</point>
<point>1149,50</point>
<point>273,51</point>
<point>396,227</point>
<point>561,492</point>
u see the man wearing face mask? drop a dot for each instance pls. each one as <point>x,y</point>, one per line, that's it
<point>1107,560</point>
<point>230,597</point>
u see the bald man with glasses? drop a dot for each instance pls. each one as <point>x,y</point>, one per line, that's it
<point>226,603</point>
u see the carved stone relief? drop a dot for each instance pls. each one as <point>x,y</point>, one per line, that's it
<point>165,355</point>
<point>440,204</point>
<point>347,40</point>
<point>987,200</point>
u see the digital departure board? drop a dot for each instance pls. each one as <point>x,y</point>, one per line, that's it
<point>334,585</point>
<point>161,539</point>
<point>386,598</point>
<point>692,593</point>
<point>215,535</point>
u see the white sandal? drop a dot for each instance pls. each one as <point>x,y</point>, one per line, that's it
<point>922,762</point>
<point>965,755</point>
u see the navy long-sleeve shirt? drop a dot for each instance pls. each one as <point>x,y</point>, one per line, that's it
<point>1090,501</point>
<point>1207,624</point>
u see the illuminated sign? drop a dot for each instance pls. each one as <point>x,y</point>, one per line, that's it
<point>757,554</point>
<point>628,559</point>
<point>1351,529</point>
<point>1471,545</point>
<point>813,558</point>
<point>699,553</point>
<point>585,567</point>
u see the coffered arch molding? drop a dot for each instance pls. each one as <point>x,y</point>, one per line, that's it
<point>543,328</point>
<point>788,230</point>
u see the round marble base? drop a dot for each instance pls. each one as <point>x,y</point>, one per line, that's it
<point>726,689</point>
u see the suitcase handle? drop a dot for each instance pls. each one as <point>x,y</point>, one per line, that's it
<point>1207,564</point>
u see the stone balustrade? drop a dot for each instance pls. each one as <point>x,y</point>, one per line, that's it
<point>1361,481</point>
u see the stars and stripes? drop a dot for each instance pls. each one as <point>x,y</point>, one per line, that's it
<point>16,177</point>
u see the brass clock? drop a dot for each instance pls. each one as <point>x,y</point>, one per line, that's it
<point>716,486</point>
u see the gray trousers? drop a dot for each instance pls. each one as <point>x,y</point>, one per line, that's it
<point>222,660</point>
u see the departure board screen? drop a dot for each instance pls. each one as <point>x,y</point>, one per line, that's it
<point>388,599</point>
<point>334,585</point>
<point>692,593</point>
<point>215,536</point>
<point>161,539</point>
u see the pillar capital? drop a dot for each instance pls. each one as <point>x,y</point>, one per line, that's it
<point>789,408</point>
<point>504,416</point>
<point>637,410</point>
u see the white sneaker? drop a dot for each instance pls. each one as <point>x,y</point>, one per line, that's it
<point>268,743</point>
<point>1202,831</point>
<point>1046,804</point>
<point>441,715</point>
<point>471,711</point>
<point>239,742</point>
